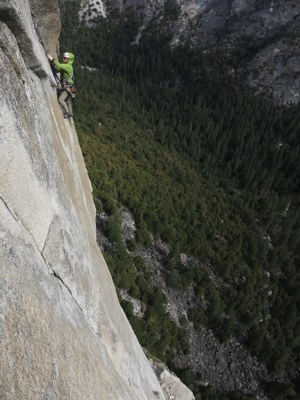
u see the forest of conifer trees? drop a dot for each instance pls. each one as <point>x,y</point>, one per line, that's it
<point>211,170</point>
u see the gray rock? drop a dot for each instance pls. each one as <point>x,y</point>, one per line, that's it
<point>232,25</point>
<point>170,383</point>
<point>127,225</point>
<point>63,332</point>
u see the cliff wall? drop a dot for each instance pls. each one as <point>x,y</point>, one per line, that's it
<point>63,333</point>
<point>260,38</point>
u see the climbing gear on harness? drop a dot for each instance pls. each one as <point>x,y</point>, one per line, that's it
<point>73,91</point>
<point>67,115</point>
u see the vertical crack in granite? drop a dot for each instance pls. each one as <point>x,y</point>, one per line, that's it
<point>56,275</point>
<point>53,272</point>
<point>11,213</point>
<point>18,221</point>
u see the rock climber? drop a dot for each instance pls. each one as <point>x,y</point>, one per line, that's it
<point>66,79</point>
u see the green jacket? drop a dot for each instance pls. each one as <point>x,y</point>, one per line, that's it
<point>66,70</point>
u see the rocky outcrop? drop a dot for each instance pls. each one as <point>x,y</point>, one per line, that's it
<point>260,38</point>
<point>225,366</point>
<point>274,72</point>
<point>63,333</point>
<point>170,383</point>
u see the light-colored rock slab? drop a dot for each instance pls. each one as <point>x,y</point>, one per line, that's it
<point>63,333</point>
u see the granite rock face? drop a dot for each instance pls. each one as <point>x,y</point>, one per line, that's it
<point>63,333</point>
